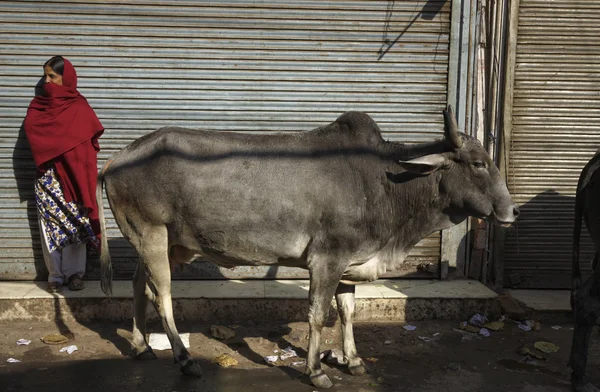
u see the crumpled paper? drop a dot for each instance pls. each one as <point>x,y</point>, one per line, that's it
<point>287,353</point>
<point>478,320</point>
<point>69,349</point>
<point>160,341</point>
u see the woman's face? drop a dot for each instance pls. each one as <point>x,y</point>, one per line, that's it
<point>52,77</point>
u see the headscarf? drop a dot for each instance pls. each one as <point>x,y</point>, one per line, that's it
<point>63,129</point>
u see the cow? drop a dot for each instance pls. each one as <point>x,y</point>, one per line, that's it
<point>585,297</point>
<point>338,200</point>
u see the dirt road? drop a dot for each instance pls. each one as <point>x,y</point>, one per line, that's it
<point>436,356</point>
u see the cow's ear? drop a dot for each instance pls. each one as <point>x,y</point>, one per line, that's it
<point>424,165</point>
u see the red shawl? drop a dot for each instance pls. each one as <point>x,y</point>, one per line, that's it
<point>63,129</point>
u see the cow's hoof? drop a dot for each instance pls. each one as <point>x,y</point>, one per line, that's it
<point>192,369</point>
<point>321,380</point>
<point>145,355</point>
<point>588,387</point>
<point>357,367</point>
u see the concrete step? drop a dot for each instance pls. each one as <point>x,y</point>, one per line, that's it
<point>544,300</point>
<point>243,300</point>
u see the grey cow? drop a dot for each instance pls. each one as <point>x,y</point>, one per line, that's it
<point>585,297</point>
<point>338,201</point>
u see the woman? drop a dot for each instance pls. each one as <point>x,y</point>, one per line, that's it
<point>63,132</point>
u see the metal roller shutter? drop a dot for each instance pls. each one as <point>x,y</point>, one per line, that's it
<point>253,66</point>
<point>556,130</point>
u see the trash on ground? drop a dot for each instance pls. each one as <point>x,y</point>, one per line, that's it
<point>160,341</point>
<point>287,353</point>
<point>298,363</point>
<point>556,327</point>
<point>371,359</point>
<point>271,358</point>
<point>334,357</point>
<point>468,327</point>
<point>525,327</point>
<point>409,327</point>
<point>23,342</point>
<point>69,349</point>
<point>484,332</point>
<point>529,360</point>
<point>546,347</point>
<point>495,326</point>
<point>12,360</point>
<point>526,351</point>
<point>529,325</point>
<point>478,320</point>
<point>511,307</point>
<point>221,332</point>
<point>425,338</point>
<point>225,360</point>
<point>55,339</point>
<point>337,377</point>
<point>466,336</point>
<point>436,334</point>
<point>388,342</point>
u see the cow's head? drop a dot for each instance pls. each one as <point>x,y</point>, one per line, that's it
<point>469,182</point>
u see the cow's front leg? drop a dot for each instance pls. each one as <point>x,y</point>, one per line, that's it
<point>323,284</point>
<point>587,311</point>
<point>344,296</point>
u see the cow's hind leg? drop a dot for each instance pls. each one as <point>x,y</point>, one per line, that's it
<point>323,283</point>
<point>344,296</point>
<point>154,254</point>
<point>141,295</point>
<point>587,311</point>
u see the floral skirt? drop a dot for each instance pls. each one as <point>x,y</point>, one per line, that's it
<point>65,223</point>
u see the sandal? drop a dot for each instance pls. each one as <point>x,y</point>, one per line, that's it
<point>75,283</point>
<point>54,287</point>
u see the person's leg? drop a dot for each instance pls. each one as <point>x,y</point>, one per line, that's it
<point>53,260</point>
<point>73,265</point>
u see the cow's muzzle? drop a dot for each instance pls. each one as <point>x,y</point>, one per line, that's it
<point>509,219</point>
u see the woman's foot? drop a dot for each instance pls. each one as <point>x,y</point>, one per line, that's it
<point>54,287</point>
<point>75,283</point>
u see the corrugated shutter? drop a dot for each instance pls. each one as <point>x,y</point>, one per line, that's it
<point>556,131</point>
<point>255,66</point>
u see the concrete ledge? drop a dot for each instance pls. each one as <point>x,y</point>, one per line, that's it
<point>235,300</point>
<point>544,300</point>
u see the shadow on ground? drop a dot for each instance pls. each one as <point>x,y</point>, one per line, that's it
<point>398,360</point>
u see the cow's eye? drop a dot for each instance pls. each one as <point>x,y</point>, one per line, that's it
<point>479,164</point>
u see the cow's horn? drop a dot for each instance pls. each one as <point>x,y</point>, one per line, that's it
<point>451,127</point>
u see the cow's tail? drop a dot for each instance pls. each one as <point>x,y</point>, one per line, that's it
<point>576,270</point>
<point>107,273</point>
